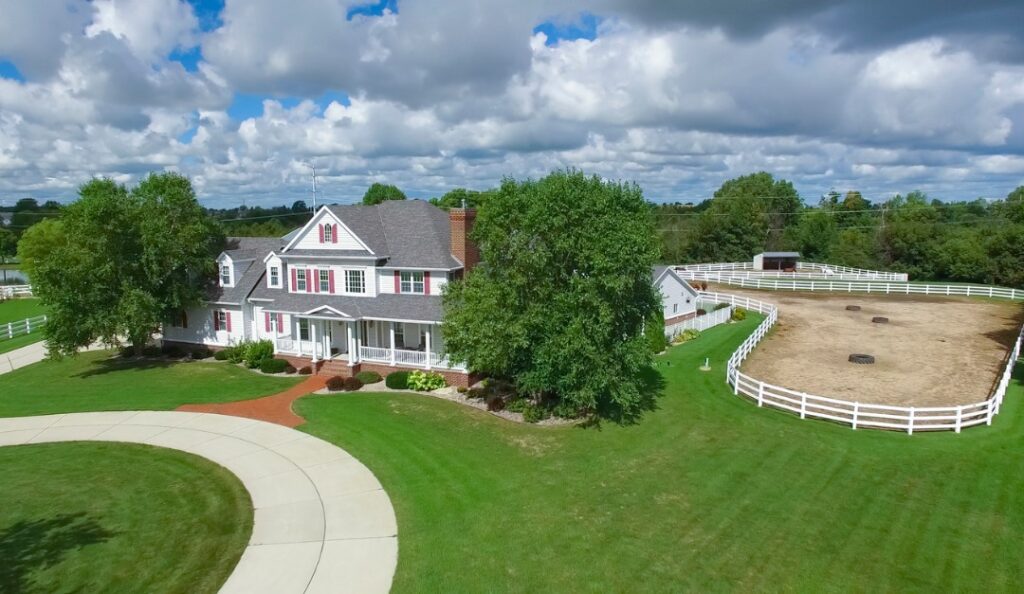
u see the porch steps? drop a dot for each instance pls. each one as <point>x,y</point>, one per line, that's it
<point>335,368</point>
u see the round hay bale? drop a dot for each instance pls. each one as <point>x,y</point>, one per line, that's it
<point>880,320</point>
<point>861,359</point>
<point>852,308</point>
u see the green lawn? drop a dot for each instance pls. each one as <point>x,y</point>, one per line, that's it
<point>95,381</point>
<point>706,493</point>
<point>103,517</point>
<point>15,310</point>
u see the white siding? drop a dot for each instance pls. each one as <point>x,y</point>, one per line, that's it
<point>386,281</point>
<point>273,262</point>
<point>200,328</point>
<point>259,325</point>
<point>369,277</point>
<point>677,297</point>
<point>310,240</point>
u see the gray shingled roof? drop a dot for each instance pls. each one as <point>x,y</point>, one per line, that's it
<point>409,233</point>
<point>247,254</point>
<point>425,308</point>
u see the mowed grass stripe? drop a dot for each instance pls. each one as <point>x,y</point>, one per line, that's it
<point>706,492</point>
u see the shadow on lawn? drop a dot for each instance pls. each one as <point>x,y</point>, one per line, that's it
<point>32,545</point>
<point>117,363</point>
<point>652,387</point>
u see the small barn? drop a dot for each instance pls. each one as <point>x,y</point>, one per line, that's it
<point>678,298</point>
<point>776,261</point>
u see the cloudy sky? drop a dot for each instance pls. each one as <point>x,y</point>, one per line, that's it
<point>678,96</point>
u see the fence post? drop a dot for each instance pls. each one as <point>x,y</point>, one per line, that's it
<point>988,420</point>
<point>856,409</point>
<point>10,330</point>
<point>910,423</point>
<point>736,382</point>
<point>959,417</point>
<point>760,393</point>
<point>803,405</point>
<point>28,326</point>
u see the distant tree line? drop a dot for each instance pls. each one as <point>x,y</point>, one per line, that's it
<point>976,241</point>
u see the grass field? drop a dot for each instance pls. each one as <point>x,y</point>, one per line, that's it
<point>91,517</point>
<point>94,381</point>
<point>16,310</point>
<point>706,493</point>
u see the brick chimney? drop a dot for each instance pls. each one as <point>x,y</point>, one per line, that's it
<point>463,248</point>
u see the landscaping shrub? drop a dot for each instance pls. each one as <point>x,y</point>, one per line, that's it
<point>235,354</point>
<point>256,352</point>
<point>721,306</point>
<point>495,403</point>
<point>476,393</point>
<point>687,335</point>
<point>517,405</point>
<point>151,351</point>
<point>425,381</point>
<point>172,350</point>
<point>273,365</point>
<point>352,384</point>
<point>398,380</point>
<point>462,389</point>
<point>535,412</point>
<point>368,377</point>
<point>739,314</point>
<point>336,384</point>
<point>221,355</point>
<point>201,353</point>
<point>701,311</point>
<point>289,368</point>
<point>307,370</point>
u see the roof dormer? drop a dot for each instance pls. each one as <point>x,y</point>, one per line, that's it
<point>326,231</point>
<point>225,271</point>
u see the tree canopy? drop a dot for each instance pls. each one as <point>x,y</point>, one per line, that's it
<point>121,262</point>
<point>458,197</point>
<point>379,192</point>
<point>559,300</point>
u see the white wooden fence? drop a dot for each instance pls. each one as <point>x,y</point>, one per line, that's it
<point>804,271</point>
<point>26,326</point>
<point>11,291</point>
<point>887,288</point>
<point>699,323</point>
<point>856,414</point>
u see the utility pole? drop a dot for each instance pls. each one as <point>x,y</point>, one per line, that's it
<point>314,187</point>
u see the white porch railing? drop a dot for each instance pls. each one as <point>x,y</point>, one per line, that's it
<point>406,358</point>
<point>375,354</point>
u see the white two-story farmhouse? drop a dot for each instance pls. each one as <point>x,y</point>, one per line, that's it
<point>357,288</point>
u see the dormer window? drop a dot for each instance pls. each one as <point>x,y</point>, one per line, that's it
<point>275,277</point>
<point>225,275</point>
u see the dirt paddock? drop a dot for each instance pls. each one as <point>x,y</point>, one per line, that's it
<point>935,351</point>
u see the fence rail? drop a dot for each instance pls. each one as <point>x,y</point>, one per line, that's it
<point>26,326</point>
<point>856,414</point>
<point>804,271</point>
<point>700,323</point>
<point>887,288</point>
<point>11,291</point>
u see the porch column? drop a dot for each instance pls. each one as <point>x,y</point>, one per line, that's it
<point>298,337</point>
<point>392,327</point>
<point>312,339</point>
<point>352,354</point>
<point>429,326</point>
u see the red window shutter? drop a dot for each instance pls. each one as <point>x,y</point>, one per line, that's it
<point>330,280</point>
<point>398,282</point>
<point>216,320</point>
<point>266,321</point>
<point>184,319</point>
<point>426,283</point>
<point>316,281</point>
<point>321,227</point>
<point>295,281</point>
<point>280,323</point>
<point>227,318</point>
<point>334,234</point>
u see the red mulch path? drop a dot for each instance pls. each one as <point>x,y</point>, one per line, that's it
<point>274,409</point>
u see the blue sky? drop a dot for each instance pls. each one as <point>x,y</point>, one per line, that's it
<point>677,96</point>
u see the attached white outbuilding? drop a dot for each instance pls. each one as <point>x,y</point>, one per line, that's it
<point>678,298</point>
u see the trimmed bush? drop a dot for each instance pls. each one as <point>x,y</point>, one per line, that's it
<point>462,389</point>
<point>423,381</point>
<point>701,311</point>
<point>517,405</point>
<point>721,306</point>
<point>398,380</point>
<point>352,384</point>
<point>201,353</point>
<point>534,413</point>
<point>172,350</point>
<point>336,384</point>
<point>235,354</point>
<point>273,365</point>
<point>307,370</point>
<point>221,355</point>
<point>289,368</point>
<point>255,352</point>
<point>739,314</point>
<point>687,335</point>
<point>476,393</point>
<point>495,403</point>
<point>369,377</point>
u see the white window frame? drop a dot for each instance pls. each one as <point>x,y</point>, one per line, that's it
<point>301,282</point>
<point>408,284</point>
<point>328,233</point>
<point>350,286</point>
<point>323,279</point>
<point>222,320</point>
<point>275,272</point>
<point>225,271</point>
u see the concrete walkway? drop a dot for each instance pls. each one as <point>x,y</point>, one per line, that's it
<point>322,523</point>
<point>27,355</point>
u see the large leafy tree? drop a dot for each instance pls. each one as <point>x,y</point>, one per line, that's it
<point>129,260</point>
<point>459,197</point>
<point>378,193</point>
<point>747,215</point>
<point>559,300</point>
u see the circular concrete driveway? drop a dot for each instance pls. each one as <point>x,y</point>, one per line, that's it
<point>322,523</point>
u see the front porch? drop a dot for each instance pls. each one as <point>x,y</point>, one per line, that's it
<point>397,344</point>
